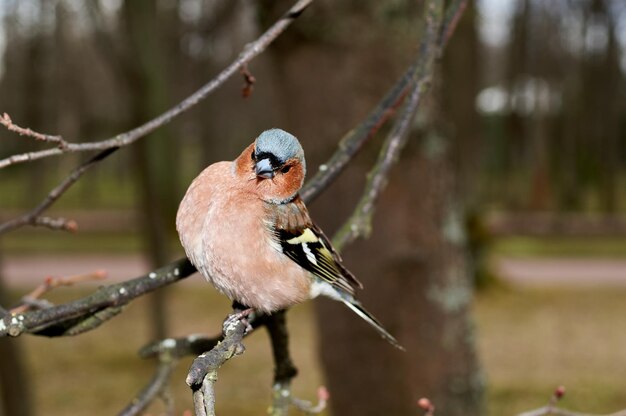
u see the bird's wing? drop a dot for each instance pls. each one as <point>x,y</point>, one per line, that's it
<point>305,243</point>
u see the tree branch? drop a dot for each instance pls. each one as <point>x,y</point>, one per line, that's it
<point>51,283</point>
<point>250,51</point>
<point>552,409</point>
<point>353,141</point>
<point>6,121</point>
<point>284,369</point>
<point>88,313</point>
<point>157,385</point>
<point>359,223</point>
<point>451,19</point>
<point>34,217</point>
<point>557,411</point>
<point>203,373</point>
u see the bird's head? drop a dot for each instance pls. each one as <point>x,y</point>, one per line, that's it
<point>275,163</point>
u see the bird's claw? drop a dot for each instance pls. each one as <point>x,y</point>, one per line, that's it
<point>233,319</point>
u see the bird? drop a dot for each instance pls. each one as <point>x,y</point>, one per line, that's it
<point>245,228</point>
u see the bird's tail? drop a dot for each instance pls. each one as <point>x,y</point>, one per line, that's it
<point>370,319</point>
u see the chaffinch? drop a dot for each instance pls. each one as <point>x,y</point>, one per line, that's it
<point>244,227</point>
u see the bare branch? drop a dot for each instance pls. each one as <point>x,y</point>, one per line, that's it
<point>159,382</point>
<point>557,411</point>
<point>359,224</point>
<point>203,372</point>
<point>33,217</point>
<point>310,408</point>
<point>355,139</point>
<point>54,282</point>
<point>91,311</point>
<point>284,369</point>
<point>249,81</point>
<point>552,409</point>
<point>453,15</point>
<point>63,224</point>
<point>251,51</point>
<point>6,121</point>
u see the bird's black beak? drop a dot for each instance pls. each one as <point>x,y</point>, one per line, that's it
<point>264,169</point>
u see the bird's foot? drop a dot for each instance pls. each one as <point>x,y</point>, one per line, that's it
<point>236,317</point>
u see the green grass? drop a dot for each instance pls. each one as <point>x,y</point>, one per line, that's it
<point>560,247</point>
<point>93,191</point>
<point>533,340</point>
<point>58,242</point>
<point>530,341</point>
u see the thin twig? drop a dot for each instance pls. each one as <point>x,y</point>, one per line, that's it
<point>359,223</point>
<point>54,282</point>
<point>6,121</point>
<point>250,51</point>
<point>310,408</point>
<point>158,383</point>
<point>249,81</point>
<point>451,20</point>
<point>60,223</point>
<point>557,411</point>
<point>33,217</point>
<point>552,409</point>
<point>203,372</point>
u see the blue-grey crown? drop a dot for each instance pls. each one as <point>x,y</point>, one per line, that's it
<point>282,145</point>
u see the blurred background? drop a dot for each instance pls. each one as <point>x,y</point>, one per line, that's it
<point>498,255</point>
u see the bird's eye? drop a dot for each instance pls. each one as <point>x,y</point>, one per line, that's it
<point>286,169</point>
<point>252,155</point>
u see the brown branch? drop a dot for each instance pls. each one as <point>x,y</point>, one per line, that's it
<point>310,408</point>
<point>169,351</point>
<point>54,282</point>
<point>249,81</point>
<point>552,409</point>
<point>359,223</point>
<point>557,411</point>
<point>33,217</point>
<point>63,224</point>
<point>284,369</point>
<point>353,141</point>
<point>158,383</point>
<point>250,51</point>
<point>88,313</point>
<point>203,372</point>
<point>6,121</point>
<point>451,20</point>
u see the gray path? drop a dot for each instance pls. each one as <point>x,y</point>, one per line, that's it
<point>527,271</point>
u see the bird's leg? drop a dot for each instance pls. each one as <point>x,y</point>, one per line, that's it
<point>240,314</point>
